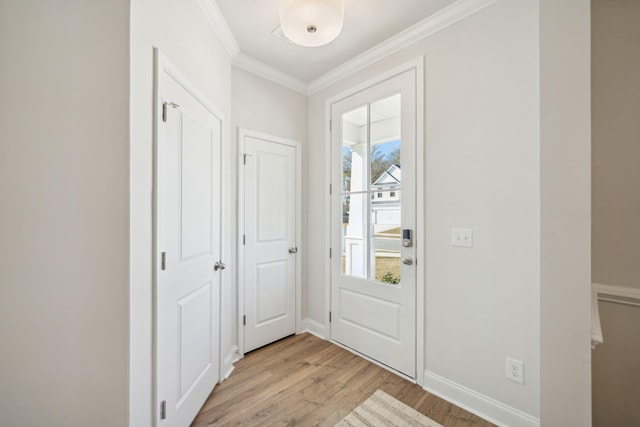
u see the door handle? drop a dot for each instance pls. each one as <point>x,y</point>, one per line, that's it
<point>293,250</point>
<point>219,265</point>
<point>407,260</point>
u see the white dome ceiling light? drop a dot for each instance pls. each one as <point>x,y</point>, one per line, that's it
<point>311,23</point>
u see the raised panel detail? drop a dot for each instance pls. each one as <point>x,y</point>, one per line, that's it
<point>196,188</point>
<point>272,195</point>
<point>373,314</point>
<point>194,329</point>
<point>272,291</point>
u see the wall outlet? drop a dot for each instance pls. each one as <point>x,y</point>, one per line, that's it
<point>515,370</point>
<point>462,237</point>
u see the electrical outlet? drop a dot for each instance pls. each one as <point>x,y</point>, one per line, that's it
<point>462,237</point>
<point>515,370</point>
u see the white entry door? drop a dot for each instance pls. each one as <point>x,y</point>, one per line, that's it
<point>373,276</point>
<point>188,247</point>
<point>269,250</point>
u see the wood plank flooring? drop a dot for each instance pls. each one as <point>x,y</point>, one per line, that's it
<point>305,381</point>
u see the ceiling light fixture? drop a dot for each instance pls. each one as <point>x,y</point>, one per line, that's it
<point>311,23</point>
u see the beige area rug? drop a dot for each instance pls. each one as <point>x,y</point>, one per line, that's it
<point>380,409</point>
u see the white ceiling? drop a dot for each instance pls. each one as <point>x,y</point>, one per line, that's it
<point>367,23</point>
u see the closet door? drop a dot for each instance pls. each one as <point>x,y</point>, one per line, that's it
<point>188,244</point>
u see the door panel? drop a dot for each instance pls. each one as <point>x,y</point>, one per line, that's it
<point>270,230</point>
<point>188,243</point>
<point>194,312</point>
<point>196,191</point>
<point>373,293</point>
<point>271,292</point>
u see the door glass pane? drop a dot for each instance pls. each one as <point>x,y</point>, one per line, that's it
<point>371,180</point>
<point>354,150</point>
<point>386,178</point>
<point>355,235</point>
<point>385,140</point>
<point>385,243</point>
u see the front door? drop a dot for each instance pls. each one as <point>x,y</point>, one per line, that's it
<point>269,168</point>
<point>373,217</point>
<point>187,324</point>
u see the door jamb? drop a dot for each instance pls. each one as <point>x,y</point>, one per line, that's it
<point>420,236</point>
<point>241,134</point>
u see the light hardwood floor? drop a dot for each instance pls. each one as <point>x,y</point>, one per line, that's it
<point>305,381</point>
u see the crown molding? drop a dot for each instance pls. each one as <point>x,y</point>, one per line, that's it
<point>266,71</point>
<point>434,23</point>
<point>219,25</point>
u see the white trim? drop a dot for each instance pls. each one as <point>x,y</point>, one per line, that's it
<point>618,294</point>
<point>232,357</point>
<point>239,245</point>
<point>312,327</point>
<point>432,24</point>
<point>267,72</point>
<point>420,232</point>
<point>241,134</point>
<point>418,65</point>
<point>477,403</point>
<point>219,25</point>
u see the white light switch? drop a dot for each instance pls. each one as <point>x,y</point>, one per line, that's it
<point>462,237</point>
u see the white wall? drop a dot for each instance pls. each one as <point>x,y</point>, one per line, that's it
<point>64,154</point>
<point>181,31</point>
<point>565,189</point>
<point>263,106</point>
<point>482,172</point>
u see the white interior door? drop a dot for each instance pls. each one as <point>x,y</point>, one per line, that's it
<point>269,168</point>
<point>188,246</point>
<point>373,276</point>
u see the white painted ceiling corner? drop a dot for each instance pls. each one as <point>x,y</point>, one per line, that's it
<point>290,64</point>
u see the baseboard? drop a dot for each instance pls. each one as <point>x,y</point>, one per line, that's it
<point>314,328</point>
<point>477,403</point>
<point>232,357</point>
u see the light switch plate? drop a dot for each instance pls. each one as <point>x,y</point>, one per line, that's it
<point>462,237</point>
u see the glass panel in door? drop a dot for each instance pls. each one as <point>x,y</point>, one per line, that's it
<point>371,214</point>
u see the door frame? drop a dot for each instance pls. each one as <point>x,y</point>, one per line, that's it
<point>242,134</point>
<point>162,64</point>
<point>420,237</point>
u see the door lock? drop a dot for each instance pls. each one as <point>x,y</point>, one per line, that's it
<point>407,238</point>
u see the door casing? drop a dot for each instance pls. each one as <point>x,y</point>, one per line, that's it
<point>418,65</point>
<point>242,134</point>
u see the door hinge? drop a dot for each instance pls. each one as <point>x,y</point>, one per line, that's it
<point>164,109</point>
<point>329,317</point>
<point>330,125</point>
<point>244,320</point>
<point>163,261</point>
<point>244,158</point>
<point>330,188</point>
<point>329,252</point>
<point>163,410</point>
<point>244,239</point>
